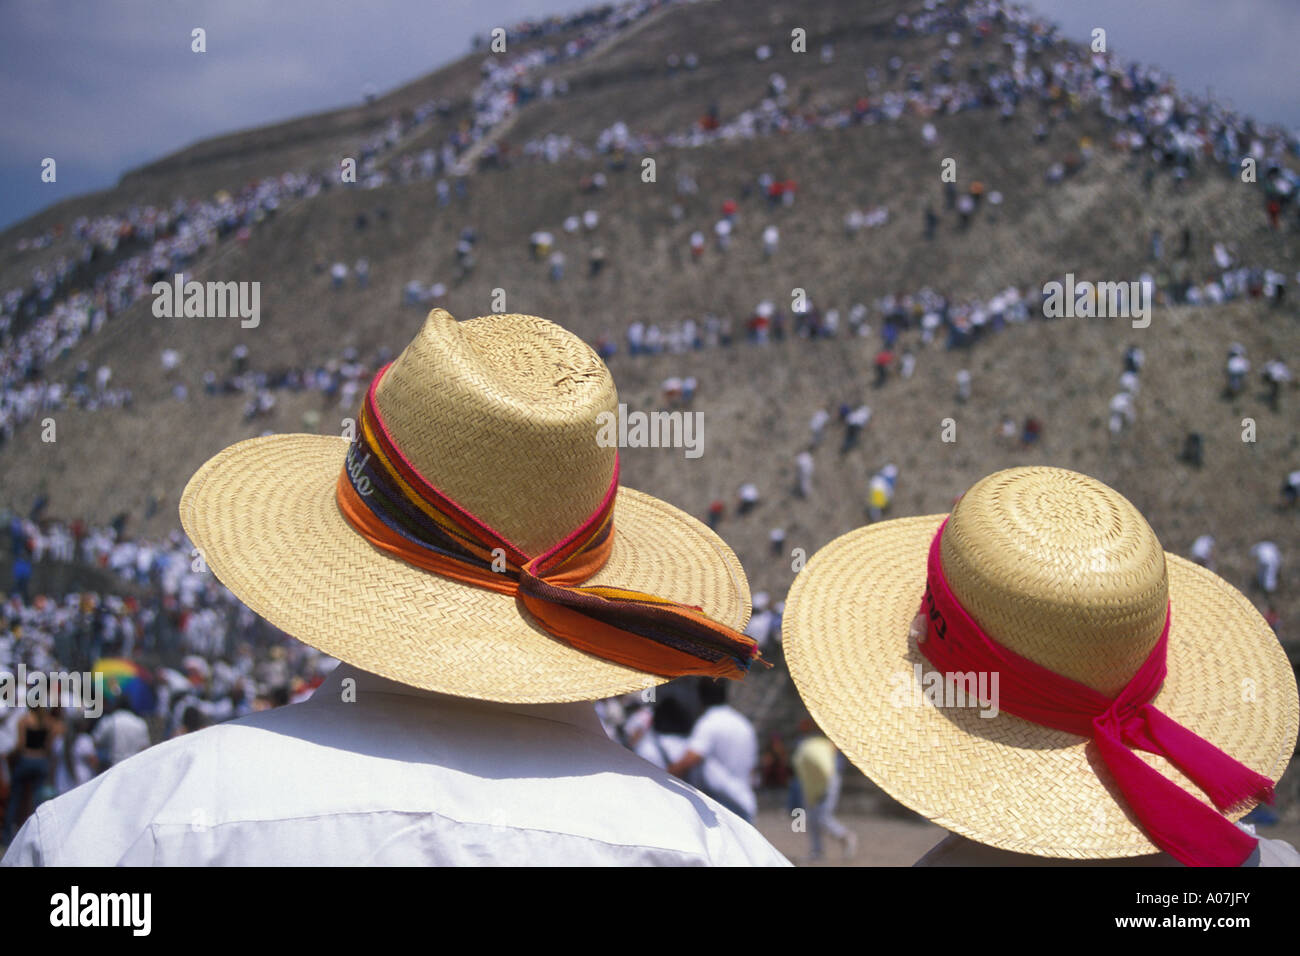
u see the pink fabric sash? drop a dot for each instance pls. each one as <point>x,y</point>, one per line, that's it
<point>1176,821</point>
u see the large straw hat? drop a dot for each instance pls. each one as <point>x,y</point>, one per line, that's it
<point>1063,570</point>
<point>500,414</point>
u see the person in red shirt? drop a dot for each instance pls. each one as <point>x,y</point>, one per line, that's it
<point>884,358</point>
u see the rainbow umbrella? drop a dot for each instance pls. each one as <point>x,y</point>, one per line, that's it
<point>127,679</point>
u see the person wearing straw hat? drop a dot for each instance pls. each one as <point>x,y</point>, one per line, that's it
<point>1036,675</point>
<point>472,559</point>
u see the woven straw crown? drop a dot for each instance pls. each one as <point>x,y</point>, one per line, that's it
<point>499,413</point>
<point>1061,569</point>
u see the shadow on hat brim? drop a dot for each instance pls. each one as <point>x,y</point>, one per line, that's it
<point>264,518</point>
<point>1000,780</point>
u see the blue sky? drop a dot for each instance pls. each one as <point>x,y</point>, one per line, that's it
<point>106,86</point>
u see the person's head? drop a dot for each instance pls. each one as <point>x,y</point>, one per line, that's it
<point>713,693</point>
<point>670,717</point>
<point>192,720</point>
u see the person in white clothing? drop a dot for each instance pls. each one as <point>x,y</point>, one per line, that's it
<point>722,230</point>
<point>74,756</point>
<point>1203,551</point>
<point>1269,560</point>
<point>724,743</point>
<point>121,734</point>
<point>1121,412</point>
<point>817,425</point>
<point>760,627</point>
<point>1238,367</point>
<point>804,466</point>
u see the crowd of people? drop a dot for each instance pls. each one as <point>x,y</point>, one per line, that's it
<point>1148,117</point>
<point>691,729</point>
<point>213,659</point>
<point>119,256</point>
<point>210,657</point>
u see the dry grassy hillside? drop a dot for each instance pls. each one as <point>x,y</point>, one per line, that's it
<point>756,400</point>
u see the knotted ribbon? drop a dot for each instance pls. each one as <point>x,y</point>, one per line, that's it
<point>388,502</point>
<point>1176,821</point>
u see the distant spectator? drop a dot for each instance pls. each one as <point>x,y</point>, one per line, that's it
<point>1134,359</point>
<point>907,364</point>
<point>1291,488</point>
<point>854,422</point>
<point>804,468</point>
<point>884,359</point>
<point>1276,375</point>
<point>1269,560</point>
<point>931,220</point>
<point>817,766</point>
<point>1237,368</point>
<point>1121,412</point>
<point>880,492</point>
<point>817,425</point>
<point>120,734</point>
<point>963,386</point>
<point>722,230</point>
<point>697,244</point>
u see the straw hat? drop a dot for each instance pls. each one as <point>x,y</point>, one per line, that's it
<point>499,413</point>
<point>1063,570</point>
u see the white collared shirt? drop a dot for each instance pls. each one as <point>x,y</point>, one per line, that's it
<point>396,776</point>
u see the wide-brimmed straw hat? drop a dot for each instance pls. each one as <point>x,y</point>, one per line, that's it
<point>1060,569</point>
<point>500,414</point>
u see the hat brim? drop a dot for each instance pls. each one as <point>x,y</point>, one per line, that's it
<point>1000,780</point>
<point>263,515</point>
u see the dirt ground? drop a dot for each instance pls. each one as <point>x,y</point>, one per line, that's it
<point>889,841</point>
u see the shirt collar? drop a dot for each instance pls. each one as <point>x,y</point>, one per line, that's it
<point>581,714</point>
